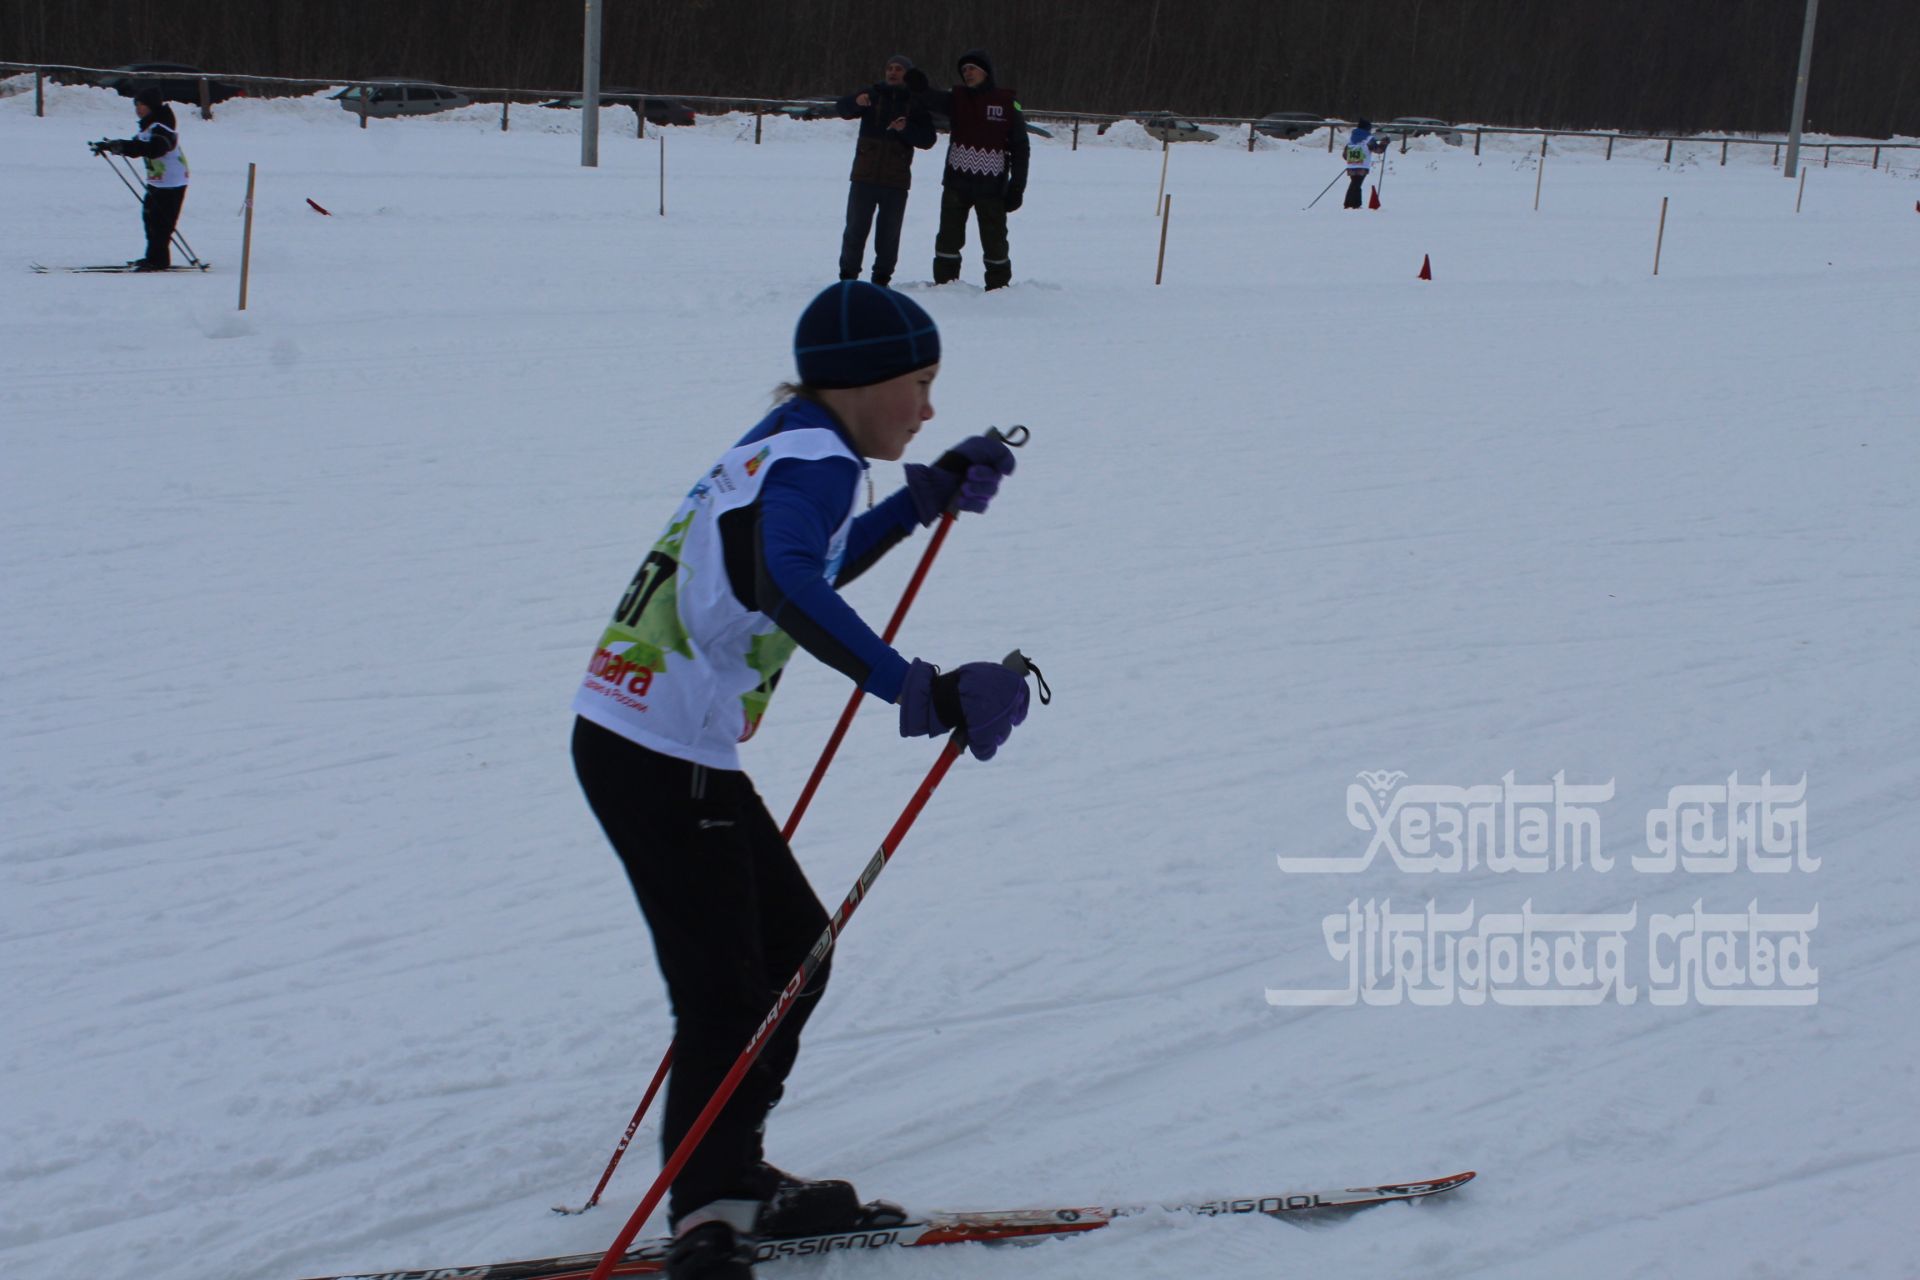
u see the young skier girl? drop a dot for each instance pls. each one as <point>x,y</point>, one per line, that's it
<point>749,567</point>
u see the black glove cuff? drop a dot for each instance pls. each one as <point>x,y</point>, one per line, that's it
<point>953,461</point>
<point>946,699</point>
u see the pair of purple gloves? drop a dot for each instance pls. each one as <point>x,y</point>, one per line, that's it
<point>986,699</point>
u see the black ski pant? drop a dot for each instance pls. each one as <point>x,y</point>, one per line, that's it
<point>160,213</point>
<point>1356,179</point>
<point>955,204</point>
<point>865,200</point>
<point>733,918</point>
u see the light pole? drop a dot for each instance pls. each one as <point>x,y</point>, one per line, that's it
<point>590,91</point>
<point>1800,91</point>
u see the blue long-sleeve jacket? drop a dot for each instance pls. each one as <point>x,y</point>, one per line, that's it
<point>776,553</point>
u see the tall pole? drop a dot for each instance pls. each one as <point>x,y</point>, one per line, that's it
<point>1800,91</point>
<point>590,91</point>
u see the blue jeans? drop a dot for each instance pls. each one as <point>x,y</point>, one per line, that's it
<point>864,200</point>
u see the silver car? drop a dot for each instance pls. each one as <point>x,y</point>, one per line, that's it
<point>1418,126</point>
<point>1289,124</point>
<point>383,99</point>
<point>1168,127</point>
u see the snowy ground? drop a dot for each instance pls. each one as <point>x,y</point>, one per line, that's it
<point>317,963</point>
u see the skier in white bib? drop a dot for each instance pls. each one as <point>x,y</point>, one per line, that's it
<point>158,144</point>
<point>1361,147</point>
<point>751,565</point>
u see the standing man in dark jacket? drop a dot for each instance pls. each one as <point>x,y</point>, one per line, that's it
<point>986,169</point>
<point>892,125</point>
<point>158,144</point>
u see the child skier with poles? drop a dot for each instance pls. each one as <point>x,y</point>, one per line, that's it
<point>157,143</point>
<point>749,567</point>
<point>1361,147</point>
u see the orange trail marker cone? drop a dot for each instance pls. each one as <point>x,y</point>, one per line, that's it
<point>1426,267</point>
<point>1373,201</point>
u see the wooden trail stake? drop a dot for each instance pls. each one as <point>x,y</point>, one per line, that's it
<point>1660,238</point>
<point>1166,212</point>
<point>246,239</point>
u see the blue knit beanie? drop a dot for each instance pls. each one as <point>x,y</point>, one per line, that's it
<point>856,334</point>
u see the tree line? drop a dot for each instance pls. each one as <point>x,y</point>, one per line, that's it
<point>1651,65</point>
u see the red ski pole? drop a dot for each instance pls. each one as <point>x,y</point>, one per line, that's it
<point>626,1139</point>
<point>955,742</point>
<point>853,704</point>
<point>1015,436</point>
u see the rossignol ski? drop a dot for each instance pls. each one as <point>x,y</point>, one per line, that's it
<point>649,1257</point>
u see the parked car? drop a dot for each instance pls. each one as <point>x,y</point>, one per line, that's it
<point>387,98</point>
<point>810,109</point>
<point>1418,126</point>
<point>657,110</point>
<point>175,81</point>
<point>1168,127</point>
<point>1289,124</point>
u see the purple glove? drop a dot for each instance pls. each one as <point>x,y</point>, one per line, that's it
<point>986,699</point>
<point>967,475</point>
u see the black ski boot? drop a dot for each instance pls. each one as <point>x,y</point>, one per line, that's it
<point>793,1207</point>
<point>710,1251</point>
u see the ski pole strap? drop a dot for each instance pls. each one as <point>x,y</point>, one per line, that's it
<point>1018,661</point>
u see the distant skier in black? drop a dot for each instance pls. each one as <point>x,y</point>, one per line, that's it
<point>892,126</point>
<point>157,143</point>
<point>1361,147</point>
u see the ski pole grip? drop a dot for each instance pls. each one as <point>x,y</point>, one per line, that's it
<point>1014,437</point>
<point>1014,661</point>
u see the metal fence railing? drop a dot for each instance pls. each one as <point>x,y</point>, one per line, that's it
<point>213,85</point>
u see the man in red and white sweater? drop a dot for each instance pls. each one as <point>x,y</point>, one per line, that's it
<point>986,171</point>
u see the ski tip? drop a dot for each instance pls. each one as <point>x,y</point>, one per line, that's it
<point>1453,1180</point>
